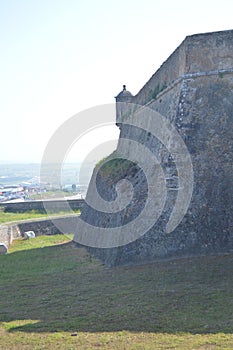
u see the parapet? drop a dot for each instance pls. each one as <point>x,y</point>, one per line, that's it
<point>198,54</point>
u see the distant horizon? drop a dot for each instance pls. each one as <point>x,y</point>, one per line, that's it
<point>69,173</point>
<point>37,163</point>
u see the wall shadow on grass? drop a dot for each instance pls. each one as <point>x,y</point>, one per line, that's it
<point>67,290</point>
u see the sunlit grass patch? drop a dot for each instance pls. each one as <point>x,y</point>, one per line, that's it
<point>39,242</point>
<point>56,296</point>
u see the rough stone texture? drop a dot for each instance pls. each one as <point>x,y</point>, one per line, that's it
<point>193,89</point>
<point>53,205</point>
<point>3,248</point>
<point>4,235</point>
<point>8,233</point>
<point>55,226</point>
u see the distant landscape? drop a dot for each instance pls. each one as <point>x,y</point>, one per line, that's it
<point>22,181</point>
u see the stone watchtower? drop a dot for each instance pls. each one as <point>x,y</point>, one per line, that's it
<point>124,97</point>
<point>193,92</point>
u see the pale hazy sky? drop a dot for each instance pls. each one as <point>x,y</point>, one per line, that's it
<point>59,57</point>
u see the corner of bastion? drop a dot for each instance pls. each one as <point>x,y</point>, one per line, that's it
<point>181,121</point>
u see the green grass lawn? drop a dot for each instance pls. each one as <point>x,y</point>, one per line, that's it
<point>53,295</point>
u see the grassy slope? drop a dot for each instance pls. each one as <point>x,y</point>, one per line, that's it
<point>55,296</point>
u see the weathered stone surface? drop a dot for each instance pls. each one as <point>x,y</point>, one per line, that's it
<point>3,248</point>
<point>5,235</point>
<point>53,205</point>
<point>193,90</point>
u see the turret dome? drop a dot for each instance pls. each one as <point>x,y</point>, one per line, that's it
<point>124,94</point>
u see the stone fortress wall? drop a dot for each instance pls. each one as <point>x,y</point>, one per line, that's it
<point>193,90</point>
<point>38,205</point>
<point>198,55</point>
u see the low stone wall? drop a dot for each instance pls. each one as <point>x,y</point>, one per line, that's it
<point>8,233</point>
<point>4,235</point>
<point>43,206</point>
<point>52,226</point>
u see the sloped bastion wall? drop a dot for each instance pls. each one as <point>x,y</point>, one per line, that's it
<point>190,100</point>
